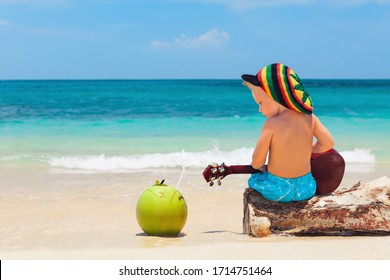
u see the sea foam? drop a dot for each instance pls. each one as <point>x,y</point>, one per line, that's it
<point>154,160</point>
<point>356,158</point>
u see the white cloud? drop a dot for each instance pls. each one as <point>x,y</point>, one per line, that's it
<point>157,44</point>
<point>211,38</point>
<point>4,23</point>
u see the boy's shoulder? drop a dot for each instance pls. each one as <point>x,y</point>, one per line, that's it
<point>272,123</point>
<point>275,120</point>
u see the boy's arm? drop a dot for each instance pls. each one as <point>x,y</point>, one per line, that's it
<point>261,150</point>
<point>324,138</point>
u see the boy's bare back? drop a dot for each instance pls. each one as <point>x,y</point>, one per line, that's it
<point>291,144</point>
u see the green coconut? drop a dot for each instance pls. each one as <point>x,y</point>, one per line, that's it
<point>161,210</point>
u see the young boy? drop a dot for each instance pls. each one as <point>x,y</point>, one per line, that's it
<point>287,135</point>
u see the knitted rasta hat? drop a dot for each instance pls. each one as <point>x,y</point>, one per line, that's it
<point>284,86</point>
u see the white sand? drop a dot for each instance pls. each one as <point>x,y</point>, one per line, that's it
<point>50,214</point>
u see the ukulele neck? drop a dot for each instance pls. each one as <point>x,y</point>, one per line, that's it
<point>242,169</point>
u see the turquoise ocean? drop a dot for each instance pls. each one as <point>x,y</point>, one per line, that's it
<point>129,125</point>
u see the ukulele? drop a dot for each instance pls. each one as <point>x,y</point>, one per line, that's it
<point>327,169</point>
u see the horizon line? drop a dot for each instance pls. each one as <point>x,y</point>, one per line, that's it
<point>167,79</point>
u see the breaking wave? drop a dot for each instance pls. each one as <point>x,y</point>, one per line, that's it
<point>183,158</point>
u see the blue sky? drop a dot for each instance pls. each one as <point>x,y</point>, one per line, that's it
<point>140,39</point>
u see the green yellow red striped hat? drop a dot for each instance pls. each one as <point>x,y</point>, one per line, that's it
<point>284,86</point>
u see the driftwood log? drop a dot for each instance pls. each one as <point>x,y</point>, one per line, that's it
<point>364,209</point>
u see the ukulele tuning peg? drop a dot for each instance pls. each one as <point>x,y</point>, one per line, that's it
<point>214,170</point>
<point>214,164</point>
<point>219,182</point>
<point>221,169</point>
<point>211,183</point>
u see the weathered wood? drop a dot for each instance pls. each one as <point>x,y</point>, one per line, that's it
<point>362,209</point>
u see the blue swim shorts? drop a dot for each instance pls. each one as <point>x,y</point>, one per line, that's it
<point>283,189</point>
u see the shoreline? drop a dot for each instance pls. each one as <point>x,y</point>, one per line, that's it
<point>50,214</point>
